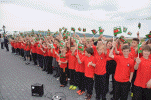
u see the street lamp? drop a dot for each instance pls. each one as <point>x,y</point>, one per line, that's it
<point>4,28</point>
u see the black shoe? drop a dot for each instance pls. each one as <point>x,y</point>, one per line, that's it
<point>43,70</point>
<point>54,75</point>
<point>112,92</point>
<point>57,76</point>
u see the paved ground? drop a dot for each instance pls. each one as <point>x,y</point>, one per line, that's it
<point>16,79</point>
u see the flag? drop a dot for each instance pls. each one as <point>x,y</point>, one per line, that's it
<point>140,48</point>
<point>62,43</point>
<point>148,36</point>
<point>60,29</point>
<point>63,28</point>
<point>124,29</point>
<point>117,31</point>
<point>65,37</point>
<point>76,40</point>
<point>101,30</point>
<point>56,33</point>
<point>73,29</point>
<point>51,45</point>
<point>32,31</point>
<point>139,25</point>
<point>68,33</point>
<point>61,56</point>
<point>123,40</point>
<point>84,29</point>
<point>94,31</point>
<point>129,33</point>
<point>64,34</point>
<point>80,47</point>
<point>79,29</point>
<point>38,45</point>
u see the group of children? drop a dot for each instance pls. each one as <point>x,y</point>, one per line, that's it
<point>93,65</point>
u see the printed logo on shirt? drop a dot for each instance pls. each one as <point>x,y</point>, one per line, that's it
<point>101,58</point>
<point>128,65</point>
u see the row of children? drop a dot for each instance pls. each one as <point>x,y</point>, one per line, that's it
<point>93,65</point>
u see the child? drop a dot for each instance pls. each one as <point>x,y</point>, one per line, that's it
<point>27,52</point>
<point>123,73</point>
<point>88,61</point>
<point>71,66</point>
<point>45,54</point>
<point>79,68</point>
<point>100,72</point>
<point>110,66</point>
<point>63,65</point>
<point>142,84</point>
<point>39,54</point>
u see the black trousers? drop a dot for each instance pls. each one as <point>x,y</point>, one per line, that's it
<point>2,45</point>
<point>100,86</point>
<point>6,45</point>
<point>57,68</point>
<point>68,73</point>
<point>49,68</point>
<point>133,80</point>
<point>22,52</point>
<point>72,77</point>
<point>63,77</point>
<point>34,56</point>
<point>121,90</point>
<point>89,85</point>
<point>40,60</point>
<point>110,70</point>
<point>45,62</point>
<point>13,50</point>
<point>79,79</point>
<point>140,93</point>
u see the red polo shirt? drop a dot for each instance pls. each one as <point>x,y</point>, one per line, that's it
<point>89,70</point>
<point>143,73</point>
<point>39,50</point>
<point>72,60</point>
<point>46,52</point>
<point>123,68</point>
<point>34,47</point>
<point>27,48</point>
<point>100,61</point>
<point>109,58</point>
<point>15,45</point>
<point>63,65</point>
<point>79,67</point>
<point>49,53</point>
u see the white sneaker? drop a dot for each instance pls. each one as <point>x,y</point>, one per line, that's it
<point>68,79</point>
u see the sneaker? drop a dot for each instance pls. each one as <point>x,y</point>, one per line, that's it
<point>81,93</point>
<point>71,86</point>
<point>78,91</point>
<point>131,94</point>
<point>74,88</point>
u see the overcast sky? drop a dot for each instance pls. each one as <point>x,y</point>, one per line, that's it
<point>24,15</point>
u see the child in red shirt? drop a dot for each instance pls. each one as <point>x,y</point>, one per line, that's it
<point>88,61</point>
<point>123,73</point>
<point>71,66</point>
<point>79,68</point>
<point>63,65</point>
<point>142,84</point>
<point>27,52</point>
<point>100,72</point>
